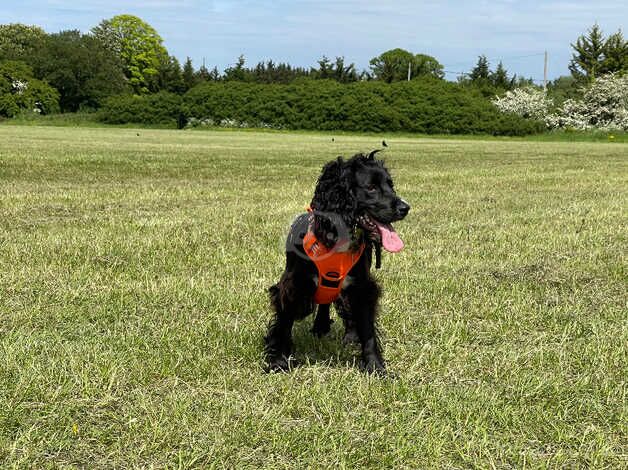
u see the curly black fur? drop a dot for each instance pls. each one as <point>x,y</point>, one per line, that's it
<point>335,204</point>
<point>347,191</point>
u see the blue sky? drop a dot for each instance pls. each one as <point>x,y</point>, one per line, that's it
<point>301,31</point>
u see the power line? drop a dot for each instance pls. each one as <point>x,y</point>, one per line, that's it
<point>469,73</point>
<point>523,56</point>
<point>537,54</point>
<point>537,80</point>
<point>502,60</point>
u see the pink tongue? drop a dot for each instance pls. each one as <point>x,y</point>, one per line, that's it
<point>390,240</point>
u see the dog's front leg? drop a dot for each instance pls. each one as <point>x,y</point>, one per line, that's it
<point>322,322</point>
<point>278,340</point>
<point>344,311</point>
<point>291,299</point>
<point>363,299</point>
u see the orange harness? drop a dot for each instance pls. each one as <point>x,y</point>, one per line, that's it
<point>333,265</point>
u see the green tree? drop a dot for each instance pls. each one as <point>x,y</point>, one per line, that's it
<point>427,65</point>
<point>481,72</point>
<point>238,72</point>
<point>20,91</point>
<point>189,76</point>
<point>392,65</point>
<point>214,74</point>
<point>563,88</point>
<point>79,67</point>
<point>18,41</point>
<point>325,68</point>
<point>344,73</point>
<point>170,77</point>
<point>12,74</point>
<point>615,54</point>
<point>499,77</point>
<point>139,47</point>
<point>521,82</point>
<point>588,56</point>
<point>202,75</point>
<point>486,81</point>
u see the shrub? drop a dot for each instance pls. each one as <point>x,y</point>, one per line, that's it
<point>425,105</point>
<point>604,106</point>
<point>8,106</point>
<point>525,102</point>
<point>20,92</point>
<point>160,108</point>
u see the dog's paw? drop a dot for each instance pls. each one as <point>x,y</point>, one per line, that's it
<point>321,329</point>
<point>280,364</point>
<point>374,365</point>
<point>351,337</point>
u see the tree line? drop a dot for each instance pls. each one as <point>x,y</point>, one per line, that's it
<point>72,71</point>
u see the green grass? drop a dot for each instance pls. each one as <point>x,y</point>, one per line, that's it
<point>56,120</point>
<point>132,305</point>
<point>79,119</point>
<point>90,120</point>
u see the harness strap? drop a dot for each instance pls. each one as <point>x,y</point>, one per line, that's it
<point>333,265</point>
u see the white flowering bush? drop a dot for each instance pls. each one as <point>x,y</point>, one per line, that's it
<point>231,123</point>
<point>19,86</point>
<point>195,122</point>
<point>604,106</point>
<point>528,102</point>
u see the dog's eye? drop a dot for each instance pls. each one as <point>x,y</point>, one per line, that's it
<point>371,188</point>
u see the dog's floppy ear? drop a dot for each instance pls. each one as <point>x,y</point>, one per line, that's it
<point>333,203</point>
<point>333,189</point>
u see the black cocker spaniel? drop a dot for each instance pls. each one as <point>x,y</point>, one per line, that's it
<point>329,253</point>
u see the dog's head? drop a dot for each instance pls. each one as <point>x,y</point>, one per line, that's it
<point>354,193</point>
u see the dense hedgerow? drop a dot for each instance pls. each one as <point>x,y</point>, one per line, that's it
<point>159,108</point>
<point>428,106</point>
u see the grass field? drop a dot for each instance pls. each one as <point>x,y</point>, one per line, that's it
<point>90,120</point>
<point>133,271</point>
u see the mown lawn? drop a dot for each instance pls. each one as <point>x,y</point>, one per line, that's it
<point>133,271</point>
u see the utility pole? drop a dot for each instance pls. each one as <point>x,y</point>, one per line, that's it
<point>545,72</point>
<point>409,70</point>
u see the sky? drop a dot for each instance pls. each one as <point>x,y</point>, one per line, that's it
<point>300,32</point>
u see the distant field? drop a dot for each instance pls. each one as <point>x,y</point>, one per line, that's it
<point>133,271</point>
<point>91,120</point>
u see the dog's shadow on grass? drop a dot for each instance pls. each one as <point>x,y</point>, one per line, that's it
<point>329,349</point>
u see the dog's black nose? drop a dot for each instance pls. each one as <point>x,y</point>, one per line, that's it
<point>403,208</point>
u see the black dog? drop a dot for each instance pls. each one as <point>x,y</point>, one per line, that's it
<point>353,206</point>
